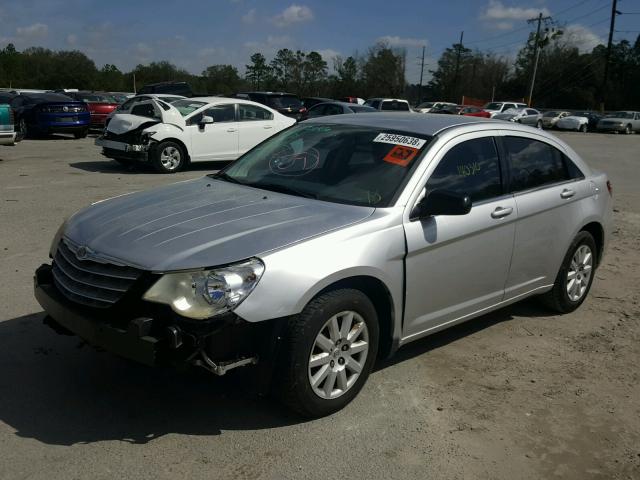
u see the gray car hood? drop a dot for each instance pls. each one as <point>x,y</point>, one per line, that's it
<point>202,223</point>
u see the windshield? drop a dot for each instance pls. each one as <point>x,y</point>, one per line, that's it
<point>170,99</point>
<point>620,115</point>
<point>425,105</point>
<point>284,101</point>
<point>338,163</point>
<point>551,114</point>
<point>187,107</point>
<point>95,98</point>
<point>493,106</point>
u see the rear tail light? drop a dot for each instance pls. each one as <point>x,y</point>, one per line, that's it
<point>610,187</point>
<point>302,110</point>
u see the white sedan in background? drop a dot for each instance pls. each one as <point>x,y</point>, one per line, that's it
<point>170,136</point>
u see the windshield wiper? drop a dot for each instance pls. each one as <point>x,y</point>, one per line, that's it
<point>225,177</point>
<point>276,187</point>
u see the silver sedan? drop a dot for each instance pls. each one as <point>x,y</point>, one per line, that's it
<point>525,116</point>
<point>330,245</point>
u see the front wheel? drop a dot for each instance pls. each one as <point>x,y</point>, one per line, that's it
<point>627,130</point>
<point>168,157</point>
<point>81,133</point>
<point>539,124</point>
<point>583,128</point>
<point>22,130</point>
<point>330,350</point>
<point>575,277</point>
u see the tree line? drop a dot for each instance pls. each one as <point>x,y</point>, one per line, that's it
<point>567,77</point>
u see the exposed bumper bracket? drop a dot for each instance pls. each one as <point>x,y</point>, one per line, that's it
<point>223,367</point>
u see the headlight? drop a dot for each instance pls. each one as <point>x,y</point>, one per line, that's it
<point>206,293</point>
<point>145,138</point>
<point>56,239</point>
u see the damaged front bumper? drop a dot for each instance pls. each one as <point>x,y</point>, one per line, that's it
<point>162,339</point>
<point>121,150</point>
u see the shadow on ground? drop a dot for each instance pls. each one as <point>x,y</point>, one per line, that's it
<point>58,391</point>
<point>111,166</point>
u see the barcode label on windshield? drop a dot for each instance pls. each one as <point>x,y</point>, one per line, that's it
<point>403,140</point>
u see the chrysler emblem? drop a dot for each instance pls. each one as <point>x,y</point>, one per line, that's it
<point>65,109</point>
<point>82,253</point>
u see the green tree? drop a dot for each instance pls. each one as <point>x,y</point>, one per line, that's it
<point>257,72</point>
<point>222,79</point>
<point>383,71</point>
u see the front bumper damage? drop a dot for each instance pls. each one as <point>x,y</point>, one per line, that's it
<point>121,150</point>
<point>148,334</point>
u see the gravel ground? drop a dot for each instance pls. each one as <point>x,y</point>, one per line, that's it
<point>516,394</point>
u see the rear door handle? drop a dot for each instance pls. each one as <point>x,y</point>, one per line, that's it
<point>267,126</point>
<point>501,212</point>
<point>231,130</point>
<point>566,193</point>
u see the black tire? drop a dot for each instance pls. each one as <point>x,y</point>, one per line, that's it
<point>81,133</point>
<point>627,130</point>
<point>168,147</point>
<point>557,298</point>
<point>539,124</point>
<point>584,128</point>
<point>292,383</point>
<point>22,130</point>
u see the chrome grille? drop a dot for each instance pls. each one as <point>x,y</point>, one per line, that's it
<point>89,282</point>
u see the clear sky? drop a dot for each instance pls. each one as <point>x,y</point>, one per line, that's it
<point>195,33</point>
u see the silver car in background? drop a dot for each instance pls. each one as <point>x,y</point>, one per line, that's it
<point>330,245</point>
<point>525,116</point>
<point>621,122</point>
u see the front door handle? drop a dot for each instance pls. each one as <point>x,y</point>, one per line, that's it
<point>267,126</point>
<point>566,193</point>
<point>501,212</point>
<point>231,130</point>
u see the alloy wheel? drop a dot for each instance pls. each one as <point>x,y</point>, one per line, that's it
<point>579,273</point>
<point>170,158</point>
<point>338,355</point>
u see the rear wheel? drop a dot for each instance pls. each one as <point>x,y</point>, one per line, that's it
<point>627,130</point>
<point>331,348</point>
<point>583,128</point>
<point>539,124</point>
<point>81,133</point>
<point>168,157</point>
<point>575,276</point>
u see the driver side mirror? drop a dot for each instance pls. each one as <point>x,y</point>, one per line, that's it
<point>441,202</point>
<point>205,120</point>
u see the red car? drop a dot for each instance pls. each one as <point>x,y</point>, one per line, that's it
<point>471,111</point>
<point>100,106</point>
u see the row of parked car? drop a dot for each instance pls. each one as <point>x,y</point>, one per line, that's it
<point>583,121</point>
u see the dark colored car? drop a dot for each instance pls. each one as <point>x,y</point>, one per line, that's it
<point>174,88</point>
<point>337,108</point>
<point>447,110</point>
<point>44,113</point>
<point>100,106</point>
<point>286,103</point>
<point>593,117</point>
<point>309,102</point>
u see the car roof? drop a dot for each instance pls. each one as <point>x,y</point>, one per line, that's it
<point>421,123</point>
<point>388,98</point>
<point>342,104</point>
<point>269,93</point>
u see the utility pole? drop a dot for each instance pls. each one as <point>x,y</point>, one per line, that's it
<point>536,55</point>
<point>421,72</point>
<point>612,26</point>
<point>134,83</point>
<point>455,78</point>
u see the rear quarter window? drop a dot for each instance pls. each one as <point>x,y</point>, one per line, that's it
<point>533,164</point>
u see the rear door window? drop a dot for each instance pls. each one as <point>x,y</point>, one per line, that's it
<point>534,164</point>
<point>250,113</point>
<point>469,168</point>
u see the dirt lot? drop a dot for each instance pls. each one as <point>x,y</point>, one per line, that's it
<point>516,394</point>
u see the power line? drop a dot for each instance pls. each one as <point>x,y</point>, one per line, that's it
<point>588,14</point>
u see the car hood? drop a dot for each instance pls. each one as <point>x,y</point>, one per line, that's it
<point>614,119</point>
<point>201,223</point>
<point>505,116</point>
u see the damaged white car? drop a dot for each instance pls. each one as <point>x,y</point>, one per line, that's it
<point>170,136</point>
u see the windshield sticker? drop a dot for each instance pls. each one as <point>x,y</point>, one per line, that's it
<point>294,164</point>
<point>403,140</point>
<point>400,155</point>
